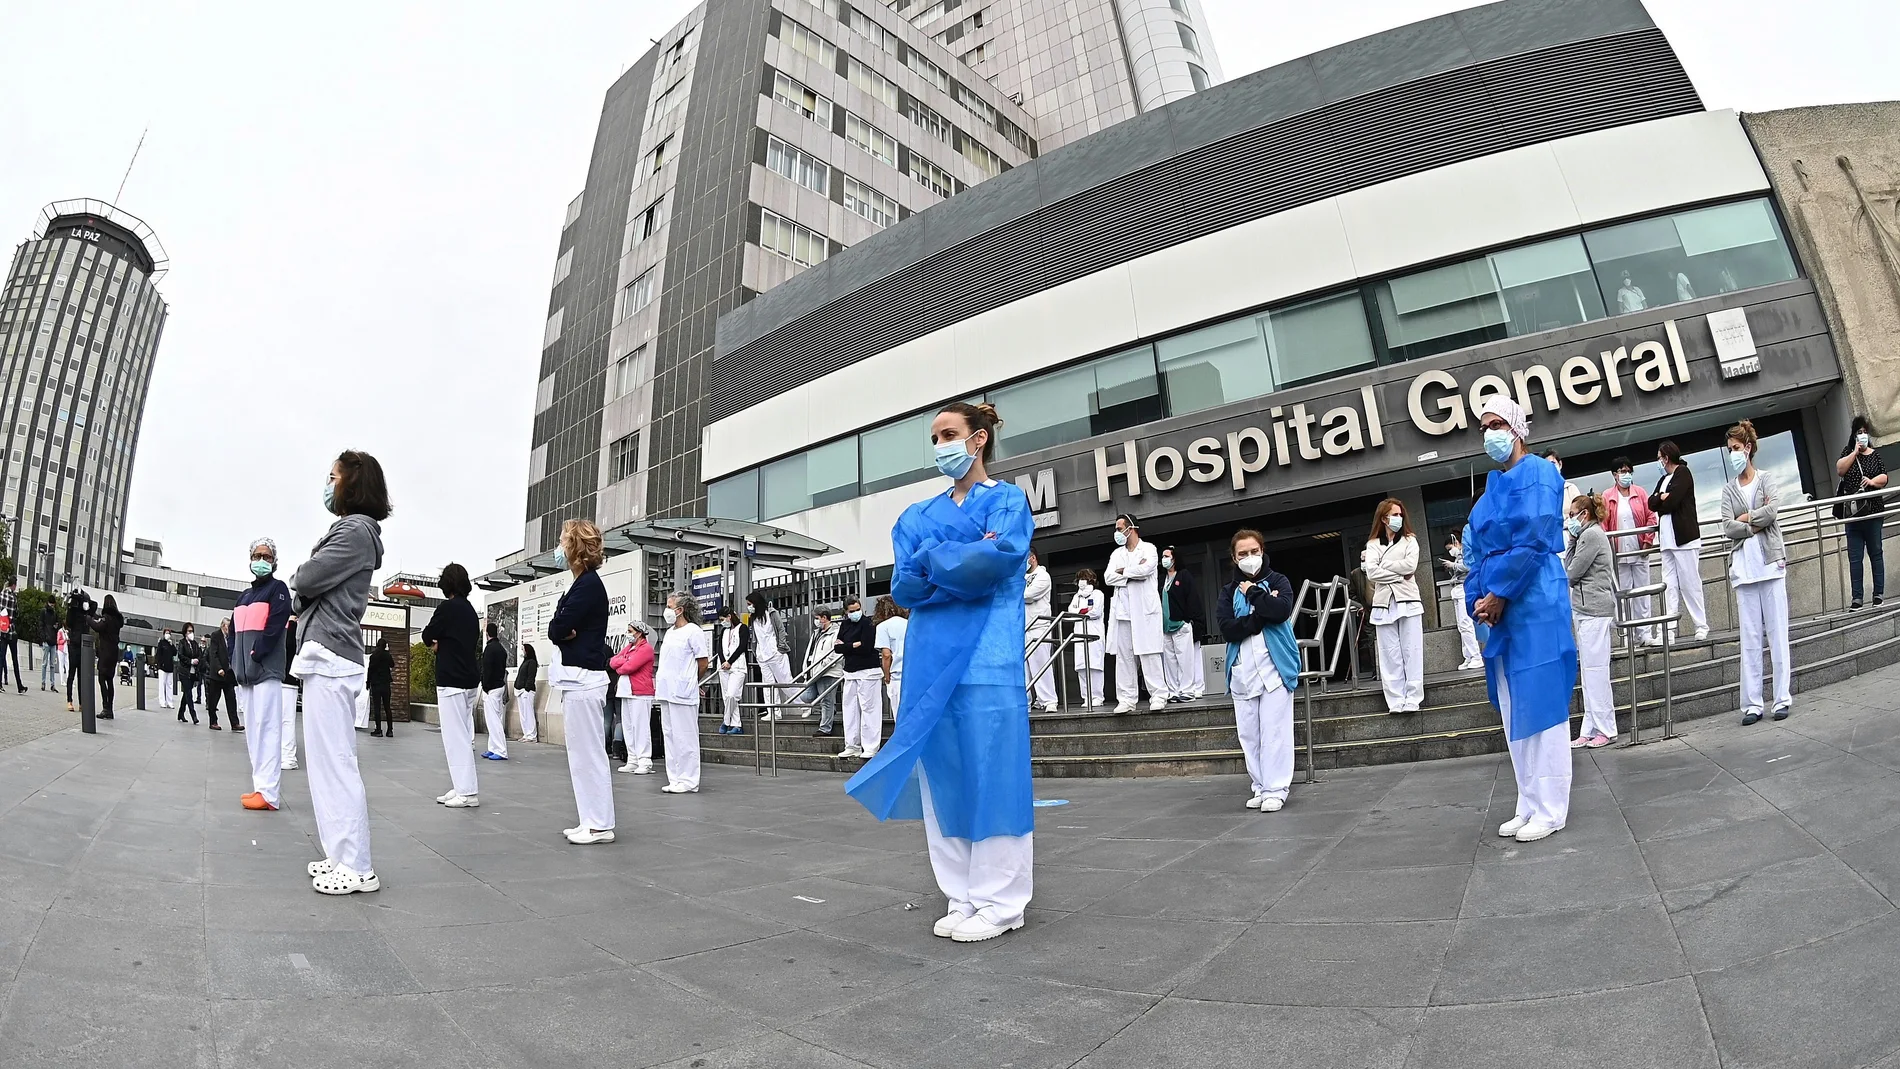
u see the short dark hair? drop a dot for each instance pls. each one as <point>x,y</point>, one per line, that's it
<point>1862,423</point>
<point>1551,454</point>
<point>1670,451</point>
<point>361,489</point>
<point>1129,519</point>
<point>454,581</point>
<point>1620,463</point>
<point>848,602</point>
<point>493,631</point>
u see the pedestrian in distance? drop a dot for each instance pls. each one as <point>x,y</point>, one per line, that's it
<point>10,634</point>
<point>1680,539</point>
<point>1390,560</point>
<point>219,681</point>
<point>332,591</point>
<point>1593,596</point>
<point>863,676</point>
<point>1255,617</point>
<point>525,676</point>
<point>260,623</point>
<point>635,665</point>
<point>50,646</point>
<point>455,634</point>
<point>495,695</point>
<point>79,608</point>
<point>1091,605</point>
<point>732,642</point>
<point>166,657</point>
<point>189,663</point>
<point>1758,569</point>
<point>684,657</point>
<point>1861,470</point>
<point>578,630</point>
<point>893,624</point>
<point>1134,618</point>
<point>107,626</point>
<point>382,674</point>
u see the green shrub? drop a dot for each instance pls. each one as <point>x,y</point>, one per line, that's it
<point>421,674</point>
<point>31,600</point>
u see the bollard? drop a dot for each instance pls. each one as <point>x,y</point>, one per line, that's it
<point>88,721</point>
<point>138,680</point>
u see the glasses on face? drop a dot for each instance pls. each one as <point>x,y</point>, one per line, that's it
<point>1495,424</point>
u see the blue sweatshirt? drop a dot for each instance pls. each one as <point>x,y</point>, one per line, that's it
<point>582,609</point>
<point>257,629</point>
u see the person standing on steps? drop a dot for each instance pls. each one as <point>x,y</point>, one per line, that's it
<point>1036,634</point>
<point>219,682</point>
<point>455,634</point>
<point>1518,589</point>
<point>731,645</point>
<point>771,651</point>
<point>863,673</point>
<point>827,681</point>
<point>1593,593</point>
<point>167,660</point>
<point>1861,469</point>
<point>382,676</point>
<point>893,624</point>
<point>1181,667</point>
<point>1625,508</point>
<point>959,758</point>
<point>1570,488</point>
<point>107,626</point>
<point>495,695</point>
<point>1454,561</point>
<point>1390,560</point>
<point>578,630</point>
<point>635,665</point>
<point>1255,616</point>
<point>1134,618</point>
<point>685,655</point>
<point>260,621</point>
<point>1680,537</point>
<point>525,676</point>
<point>1758,569</point>
<point>1090,666</point>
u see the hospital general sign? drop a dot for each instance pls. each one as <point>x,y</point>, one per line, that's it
<point>1325,433</point>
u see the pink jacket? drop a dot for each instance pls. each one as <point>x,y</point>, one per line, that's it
<point>1639,510</point>
<point>636,663</point>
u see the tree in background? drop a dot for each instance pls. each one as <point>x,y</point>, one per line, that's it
<point>32,600</point>
<point>6,558</point>
<point>421,674</point>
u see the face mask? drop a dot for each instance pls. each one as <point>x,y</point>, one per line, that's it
<point>1250,563</point>
<point>1168,563</point>
<point>1084,587</point>
<point>1395,522</point>
<point>1573,525</point>
<point>560,557</point>
<point>1623,482</point>
<point>1454,550</point>
<point>670,616</point>
<point>262,568</point>
<point>954,459</point>
<point>1497,445</point>
<point>1861,439</point>
<point>1121,538</point>
<point>1737,462</point>
<point>187,636</point>
<point>329,496</point>
<point>854,617</point>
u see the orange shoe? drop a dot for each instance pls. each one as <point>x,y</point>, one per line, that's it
<point>254,800</point>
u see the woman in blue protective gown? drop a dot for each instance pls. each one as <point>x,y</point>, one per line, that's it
<point>1518,588</point>
<point>959,757</point>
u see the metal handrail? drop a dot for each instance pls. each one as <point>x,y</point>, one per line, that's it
<point>1073,637</point>
<point>1337,602</point>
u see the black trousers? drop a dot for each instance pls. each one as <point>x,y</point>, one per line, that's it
<point>379,712</point>
<point>213,689</point>
<point>187,692</point>
<point>107,689</point>
<point>10,645</point>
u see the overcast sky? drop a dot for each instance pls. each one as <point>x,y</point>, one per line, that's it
<point>362,203</point>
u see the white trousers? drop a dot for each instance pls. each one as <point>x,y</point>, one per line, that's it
<point>524,704</point>
<point>1091,682</point>
<point>1763,608</point>
<point>288,706</point>
<point>495,720</point>
<point>1121,643</point>
<point>167,689</point>
<point>1402,663</point>
<point>264,737</point>
<point>679,721</point>
<point>1682,570</point>
<point>1467,631</point>
<point>732,691</point>
<point>776,674</point>
<point>863,712</point>
<point>582,715</point>
<point>1181,663</point>
<point>1631,574</point>
<point>994,875</point>
<point>362,715</point>
<point>457,708</point>
<point>1265,723</point>
<point>1593,662</point>
<point>894,688</point>
<point>1043,677</point>
<point>1541,764</point>
<point>636,728</point>
<point>337,796</point>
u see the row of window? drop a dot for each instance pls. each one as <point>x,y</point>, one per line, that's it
<point>1532,288</point>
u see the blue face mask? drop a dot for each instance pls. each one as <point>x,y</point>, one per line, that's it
<point>329,495</point>
<point>1121,538</point>
<point>854,616</point>
<point>1737,463</point>
<point>1574,526</point>
<point>262,568</point>
<point>1497,444</point>
<point>560,557</point>
<point>954,459</point>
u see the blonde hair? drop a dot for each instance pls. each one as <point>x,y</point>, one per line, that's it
<point>1592,506</point>
<point>581,541</point>
<point>1744,432</point>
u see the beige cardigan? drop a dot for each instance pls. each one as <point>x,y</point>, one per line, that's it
<point>1392,570</point>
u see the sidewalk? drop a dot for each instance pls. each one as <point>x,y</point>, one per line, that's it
<point>1726,899</point>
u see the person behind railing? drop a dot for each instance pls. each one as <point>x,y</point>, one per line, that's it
<point>1134,617</point>
<point>771,651</point>
<point>1254,613</point>
<point>685,656</point>
<point>893,624</point>
<point>1860,469</point>
<point>1570,488</point>
<point>1036,633</point>
<point>1518,589</point>
<point>1680,537</point>
<point>1758,569</point>
<point>1180,618</point>
<point>1390,560</point>
<point>1454,561</point>
<point>1625,508</point>
<point>732,643</point>
<point>863,670</point>
<point>1593,594</point>
<point>824,673</point>
<point>634,664</point>
<point>1091,668</point>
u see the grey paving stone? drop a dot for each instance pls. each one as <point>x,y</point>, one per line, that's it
<point>53,1022</point>
<point>1180,894</point>
<point>1537,881</point>
<point>1565,951</point>
<point>135,898</point>
<point>1823,780</point>
<point>1140,855</point>
<point>774,1050</point>
<point>1726,852</point>
<point>1409,894</point>
<point>1388,845</point>
<point>1224,1035</point>
<point>1116,953</point>
<point>408,905</point>
<point>1823,1004</point>
<point>480,955</point>
<point>119,954</point>
<point>1841,819</point>
<point>563,896</point>
<point>292,1034</point>
<point>1877,860</point>
<point>305,965</point>
<point>1725,802</point>
<point>755,976</point>
<point>1750,753</point>
<point>1066,888</point>
<point>1351,964</point>
<point>1256,857</point>
<point>791,903</point>
<point>1298,820</point>
<point>1770,910</point>
<point>32,885</point>
<point>18,926</point>
<point>1644,1027</point>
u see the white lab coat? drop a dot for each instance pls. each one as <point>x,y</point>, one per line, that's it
<point>1036,596</point>
<point>1136,598</point>
<point>1089,607</point>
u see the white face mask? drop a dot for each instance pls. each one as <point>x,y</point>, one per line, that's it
<point>671,616</point>
<point>1250,563</point>
<point>1395,522</point>
<point>1084,587</point>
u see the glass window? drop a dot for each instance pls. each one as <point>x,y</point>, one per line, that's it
<point>1317,339</point>
<point>1681,257</point>
<point>987,163</point>
<point>734,498</point>
<point>873,83</point>
<point>870,139</point>
<point>623,458</point>
<point>626,374</point>
<point>877,35</point>
<point>1199,77</point>
<point>801,39</point>
<point>931,176</point>
<point>869,203</point>
<point>1188,40</point>
<point>974,103</point>
<point>783,159</point>
<point>1179,5</point>
<point>896,453</point>
<point>932,73</point>
<point>929,121</point>
<point>668,100</point>
<point>650,221</point>
<point>1441,309</point>
<point>786,238</point>
<point>815,477</point>
<point>1546,286</point>
<point>1109,394</point>
<point>1215,365</point>
<point>801,99</point>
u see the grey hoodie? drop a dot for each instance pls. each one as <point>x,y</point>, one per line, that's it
<point>332,587</point>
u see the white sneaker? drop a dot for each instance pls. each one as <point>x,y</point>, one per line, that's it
<point>1530,833</point>
<point>643,768</point>
<point>1048,707</point>
<point>464,801</point>
<point>1701,634</point>
<point>529,738</point>
<point>1125,707</point>
<point>806,715</point>
<point>867,754</point>
<point>588,836</point>
<point>1272,805</point>
<point>341,881</point>
<point>774,716</point>
<point>1254,802</point>
<point>1511,827</point>
<point>1473,665</point>
<point>287,766</point>
<point>948,924</point>
<point>444,799</point>
<point>674,788</point>
<point>628,767</point>
<point>1155,705</point>
<point>850,751</point>
<point>977,928</point>
<point>576,830</point>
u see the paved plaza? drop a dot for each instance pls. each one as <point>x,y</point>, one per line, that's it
<point>1727,899</point>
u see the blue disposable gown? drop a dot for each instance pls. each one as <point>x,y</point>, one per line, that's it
<point>1512,546</point>
<point>964,714</point>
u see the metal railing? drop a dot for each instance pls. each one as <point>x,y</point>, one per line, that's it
<point>767,711</point>
<point>1324,604</point>
<point>1069,635</point>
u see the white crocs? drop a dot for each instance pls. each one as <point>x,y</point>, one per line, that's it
<point>341,881</point>
<point>318,868</point>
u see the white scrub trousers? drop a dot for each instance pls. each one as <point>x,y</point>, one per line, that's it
<point>1043,678</point>
<point>337,795</point>
<point>1682,571</point>
<point>776,674</point>
<point>1402,663</point>
<point>1181,663</point>
<point>1593,662</point>
<point>587,755</point>
<point>731,692</point>
<point>1468,652</point>
<point>524,704</point>
<point>264,737</point>
<point>167,689</point>
<point>457,708</point>
<point>495,720</point>
<point>1631,574</point>
<point>679,723</point>
<point>1121,643</point>
<point>1763,609</point>
<point>1091,681</point>
<point>894,688</point>
<point>1265,723</point>
<point>993,875</point>
<point>288,705</point>
<point>636,728</point>
<point>863,710</point>
<point>1541,764</point>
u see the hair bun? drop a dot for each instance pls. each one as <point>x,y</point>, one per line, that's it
<point>990,410</point>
